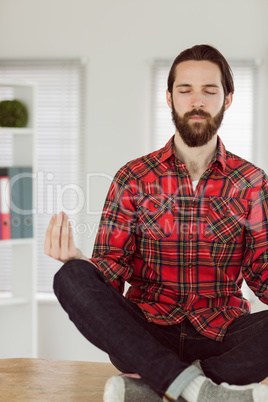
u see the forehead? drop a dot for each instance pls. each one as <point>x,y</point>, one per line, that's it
<point>193,72</point>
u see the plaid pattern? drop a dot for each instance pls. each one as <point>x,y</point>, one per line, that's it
<point>185,253</point>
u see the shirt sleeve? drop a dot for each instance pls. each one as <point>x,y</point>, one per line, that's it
<point>115,241</point>
<point>255,261</point>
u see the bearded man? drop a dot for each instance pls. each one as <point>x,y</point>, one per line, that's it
<point>184,226</point>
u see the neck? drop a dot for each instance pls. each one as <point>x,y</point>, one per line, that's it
<point>196,159</point>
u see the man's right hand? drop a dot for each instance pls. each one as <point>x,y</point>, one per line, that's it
<point>59,242</point>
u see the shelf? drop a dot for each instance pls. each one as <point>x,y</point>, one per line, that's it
<point>46,298</point>
<point>16,130</point>
<point>18,307</point>
<point>16,242</point>
<point>14,84</point>
<point>12,301</point>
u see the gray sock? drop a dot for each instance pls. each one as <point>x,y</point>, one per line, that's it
<point>126,389</point>
<point>197,363</point>
<point>211,392</point>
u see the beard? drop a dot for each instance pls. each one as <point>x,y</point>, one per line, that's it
<point>197,134</point>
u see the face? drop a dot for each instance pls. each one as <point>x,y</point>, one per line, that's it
<point>197,101</point>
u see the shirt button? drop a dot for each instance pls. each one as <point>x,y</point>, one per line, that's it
<point>195,202</point>
<point>190,265</point>
<point>191,236</point>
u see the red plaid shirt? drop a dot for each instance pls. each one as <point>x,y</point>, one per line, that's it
<point>184,252</point>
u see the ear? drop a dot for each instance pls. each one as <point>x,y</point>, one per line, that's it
<point>228,100</point>
<point>169,98</point>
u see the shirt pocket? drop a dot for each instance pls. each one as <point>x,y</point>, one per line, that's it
<point>156,215</point>
<point>226,219</point>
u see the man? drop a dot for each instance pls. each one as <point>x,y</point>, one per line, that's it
<point>183,225</point>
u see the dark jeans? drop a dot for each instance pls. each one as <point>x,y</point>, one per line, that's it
<point>158,353</point>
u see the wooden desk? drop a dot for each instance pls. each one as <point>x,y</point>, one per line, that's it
<point>38,380</point>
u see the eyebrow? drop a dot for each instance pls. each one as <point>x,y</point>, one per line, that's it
<point>204,86</point>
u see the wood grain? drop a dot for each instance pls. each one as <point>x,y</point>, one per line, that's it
<point>38,380</point>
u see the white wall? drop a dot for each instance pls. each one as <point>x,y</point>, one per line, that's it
<point>119,39</point>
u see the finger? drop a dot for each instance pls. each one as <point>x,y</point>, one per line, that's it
<point>47,244</point>
<point>73,251</point>
<point>56,235</point>
<point>64,240</point>
<point>70,237</point>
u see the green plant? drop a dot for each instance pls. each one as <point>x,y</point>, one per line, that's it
<point>13,113</point>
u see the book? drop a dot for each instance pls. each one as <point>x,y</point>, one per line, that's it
<point>21,202</point>
<point>5,205</point>
<point>27,201</point>
<point>15,202</point>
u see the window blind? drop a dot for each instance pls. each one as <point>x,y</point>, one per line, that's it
<point>238,127</point>
<point>59,151</point>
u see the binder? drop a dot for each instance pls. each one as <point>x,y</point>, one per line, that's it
<point>16,196</point>
<point>15,202</point>
<point>2,173</point>
<point>27,201</point>
<point>5,206</point>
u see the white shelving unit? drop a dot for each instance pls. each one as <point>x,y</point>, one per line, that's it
<point>18,309</point>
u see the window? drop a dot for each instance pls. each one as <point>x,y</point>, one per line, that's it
<point>60,149</point>
<point>238,129</point>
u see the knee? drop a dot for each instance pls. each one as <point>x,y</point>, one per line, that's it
<point>65,276</point>
<point>123,367</point>
<point>73,275</point>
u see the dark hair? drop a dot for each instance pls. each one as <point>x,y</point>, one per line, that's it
<point>199,53</point>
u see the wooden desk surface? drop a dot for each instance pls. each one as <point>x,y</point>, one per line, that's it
<point>38,380</point>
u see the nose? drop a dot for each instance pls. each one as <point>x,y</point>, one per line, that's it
<point>197,101</point>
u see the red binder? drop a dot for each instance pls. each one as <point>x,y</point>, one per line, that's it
<point>5,207</point>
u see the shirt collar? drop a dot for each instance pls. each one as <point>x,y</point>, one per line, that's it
<point>169,150</point>
<point>220,155</point>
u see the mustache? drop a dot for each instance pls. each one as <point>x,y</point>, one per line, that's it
<point>196,112</point>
